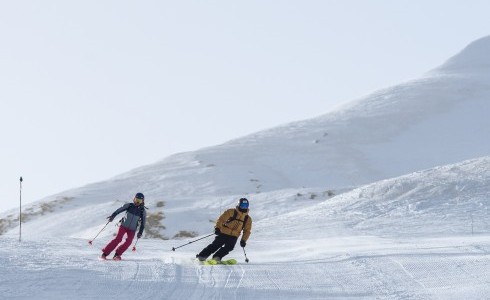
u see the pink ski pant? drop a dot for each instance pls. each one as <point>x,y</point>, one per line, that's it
<point>124,246</point>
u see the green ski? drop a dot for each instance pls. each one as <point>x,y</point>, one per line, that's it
<point>212,262</point>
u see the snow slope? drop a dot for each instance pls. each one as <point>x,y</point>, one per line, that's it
<point>436,120</point>
<point>385,197</point>
<point>443,201</point>
<point>381,241</point>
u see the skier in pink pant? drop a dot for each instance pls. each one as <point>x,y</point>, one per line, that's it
<point>134,213</point>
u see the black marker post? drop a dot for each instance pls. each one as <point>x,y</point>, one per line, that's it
<point>20,210</point>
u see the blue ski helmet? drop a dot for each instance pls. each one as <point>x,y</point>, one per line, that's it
<point>243,204</point>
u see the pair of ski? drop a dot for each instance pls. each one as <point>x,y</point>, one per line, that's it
<point>209,262</point>
<point>212,262</point>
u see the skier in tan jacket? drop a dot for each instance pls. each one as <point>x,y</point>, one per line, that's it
<point>228,228</point>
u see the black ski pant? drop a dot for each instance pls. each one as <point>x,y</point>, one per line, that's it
<point>225,243</point>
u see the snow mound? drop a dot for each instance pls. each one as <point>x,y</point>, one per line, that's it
<point>443,201</point>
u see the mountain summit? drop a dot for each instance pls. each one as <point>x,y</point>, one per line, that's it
<point>475,57</point>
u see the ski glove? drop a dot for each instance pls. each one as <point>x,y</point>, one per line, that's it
<point>243,243</point>
<point>217,231</point>
<point>139,235</point>
<point>110,218</point>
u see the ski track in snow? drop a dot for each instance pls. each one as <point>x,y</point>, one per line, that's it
<point>411,272</point>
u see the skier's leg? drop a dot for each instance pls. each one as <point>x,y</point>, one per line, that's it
<point>113,244</point>
<point>124,246</point>
<point>229,244</point>
<point>219,240</point>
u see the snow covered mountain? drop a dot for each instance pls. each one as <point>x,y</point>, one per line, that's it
<point>436,120</point>
<point>365,198</point>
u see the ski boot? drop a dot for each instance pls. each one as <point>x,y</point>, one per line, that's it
<point>200,258</point>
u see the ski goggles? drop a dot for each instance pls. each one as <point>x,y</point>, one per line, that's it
<point>243,205</point>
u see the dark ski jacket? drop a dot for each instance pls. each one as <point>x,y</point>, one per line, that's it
<point>133,215</point>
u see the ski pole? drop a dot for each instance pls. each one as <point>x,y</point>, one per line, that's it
<point>246,259</point>
<point>90,242</point>
<point>173,248</point>
<point>134,247</point>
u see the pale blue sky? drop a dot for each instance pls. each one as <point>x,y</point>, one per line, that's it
<point>91,89</point>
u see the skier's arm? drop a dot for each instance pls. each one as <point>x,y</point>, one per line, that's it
<point>142,225</point>
<point>247,230</point>
<point>119,210</point>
